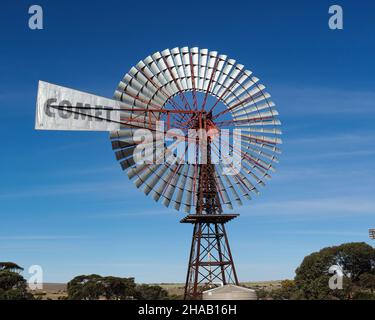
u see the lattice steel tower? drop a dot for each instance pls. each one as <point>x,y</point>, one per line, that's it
<point>210,255</point>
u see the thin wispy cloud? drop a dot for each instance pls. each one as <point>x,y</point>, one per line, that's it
<point>23,248</point>
<point>334,155</point>
<point>146,264</point>
<point>83,171</point>
<point>294,175</point>
<point>96,141</point>
<point>320,101</point>
<point>339,145</point>
<point>129,214</point>
<point>354,138</point>
<point>104,189</point>
<point>43,237</point>
<point>313,207</point>
<point>334,233</point>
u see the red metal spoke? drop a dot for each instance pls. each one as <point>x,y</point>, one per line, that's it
<point>245,121</point>
<point>67,109</point>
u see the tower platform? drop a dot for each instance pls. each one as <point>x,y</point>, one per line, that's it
<point>209,218</point>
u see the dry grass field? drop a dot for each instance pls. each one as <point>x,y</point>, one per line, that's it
<point>57,291</point>
<point>52,291</point>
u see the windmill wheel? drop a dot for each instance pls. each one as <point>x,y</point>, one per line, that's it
<point>178,86</point>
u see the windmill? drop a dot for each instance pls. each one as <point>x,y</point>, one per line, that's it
<point>195,104</point>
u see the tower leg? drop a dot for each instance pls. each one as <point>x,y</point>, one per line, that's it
<point>211,260</point>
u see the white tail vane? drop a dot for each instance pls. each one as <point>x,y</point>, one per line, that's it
<point>60,108</point>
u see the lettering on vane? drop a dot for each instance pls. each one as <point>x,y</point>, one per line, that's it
<point>80,111</point>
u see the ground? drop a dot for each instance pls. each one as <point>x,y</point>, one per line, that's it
<point>57,291</point>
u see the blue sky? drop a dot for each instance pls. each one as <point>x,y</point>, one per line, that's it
<point>65,203</point>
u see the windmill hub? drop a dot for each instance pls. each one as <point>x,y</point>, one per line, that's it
<point>212,128</point>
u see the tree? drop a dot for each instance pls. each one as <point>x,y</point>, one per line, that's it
<point>367,281</point>
<point>287,291</point>
<point>312,276</point>
<point>13,286</point>
<point>10,266</point>
<point>119,288</point>
<point>85,287</point>
<point>94,287</point>
<point>355,259</point>
<point>147,292</point>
